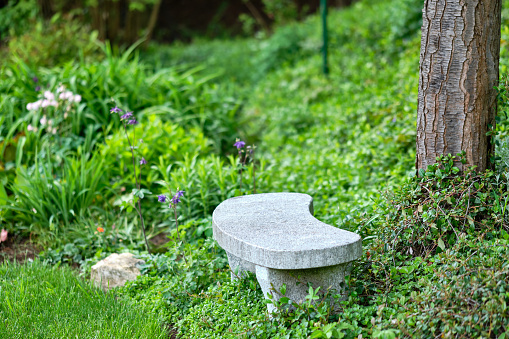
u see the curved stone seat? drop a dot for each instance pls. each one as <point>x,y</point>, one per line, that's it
<point>276,236</point>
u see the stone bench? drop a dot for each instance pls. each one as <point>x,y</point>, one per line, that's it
<point>275,236</point>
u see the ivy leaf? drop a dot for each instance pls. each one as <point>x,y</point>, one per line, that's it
<point>441,244</point>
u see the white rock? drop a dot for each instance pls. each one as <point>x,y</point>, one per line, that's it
<point>115,270</point>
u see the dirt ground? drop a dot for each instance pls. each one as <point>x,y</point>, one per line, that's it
<point>18,249</point>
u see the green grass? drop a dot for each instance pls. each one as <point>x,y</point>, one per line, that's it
<point>41,301</point>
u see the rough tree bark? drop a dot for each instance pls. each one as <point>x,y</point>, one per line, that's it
<point>460,49</point>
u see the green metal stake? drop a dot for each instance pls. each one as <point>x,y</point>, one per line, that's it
<point>323,6</point>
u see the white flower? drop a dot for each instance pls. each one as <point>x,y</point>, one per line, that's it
<point>48,95</point>
<point>43,120</point>
<point>77,98</point>
<point>66,115</point>
<point>67,95</point>
<point>54,130</point>
<point>60,89</point>
<point>50,122</point>
<point>49,102</point>
<point>34,105</point>
<point>31,128</point>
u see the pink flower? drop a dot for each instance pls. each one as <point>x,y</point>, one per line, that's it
<point>77,98</point>
<point>33,106</point>
<point>3,235</point>
<point>48,95</point>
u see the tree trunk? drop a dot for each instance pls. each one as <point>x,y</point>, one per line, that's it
<point>460,49</point>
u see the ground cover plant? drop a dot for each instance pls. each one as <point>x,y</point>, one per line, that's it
<point>434,247</point>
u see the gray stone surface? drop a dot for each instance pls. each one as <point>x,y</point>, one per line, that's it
<point>115,270</point>
<point>238,266</point>
<point>277,230</point>
<point>296,281</point>
<point>275,236</point>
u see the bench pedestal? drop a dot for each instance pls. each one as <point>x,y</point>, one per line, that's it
<point>296,280</point>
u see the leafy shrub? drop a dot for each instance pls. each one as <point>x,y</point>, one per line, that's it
<point>433,211</point>
<point>163,144</point>
<point>60,41</point>
<point>17,17</point>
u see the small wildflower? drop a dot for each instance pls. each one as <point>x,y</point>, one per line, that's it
<point>49,96</point>
<point>49,102</point>
<point>132,122</point>
<point>37,88</point>
<point>66,95</point>
<point>143,161</point>
<point>393,120</point>
<point>34,210</point>
<point>115,110</point>
<point>43,120</point>
<point>66,115</point>
<point>3,235</point>
<point>161,198</point>
<point>100,229</point>
<point>239,144</point>
<point>35,79</point>
<point>31,128</point>
<point>126,116</point>
<point>176,199</point>
<point>141,141</point>
<point>76,98</point>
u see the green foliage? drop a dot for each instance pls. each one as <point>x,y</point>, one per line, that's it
<point>60,41</point>
<point>431,212</point>
<point>435,247</point>
<point>40,301</point>
<point>183,96</point>
<point>17,17</point>
<point>46,200</point>
<point>281,11</point>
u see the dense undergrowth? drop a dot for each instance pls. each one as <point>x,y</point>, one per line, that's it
<point>434,246</point>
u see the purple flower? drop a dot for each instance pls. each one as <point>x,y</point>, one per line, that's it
<point>393,120</point>
<point>37,88</point>
<point>35,79</point>
<point>115,110</point>
<point>176,199</point>
<point>126,116</point>
<point>132,122</point>
<point>161,198</point>
<point>143,161</point>
<point>239,144</point>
